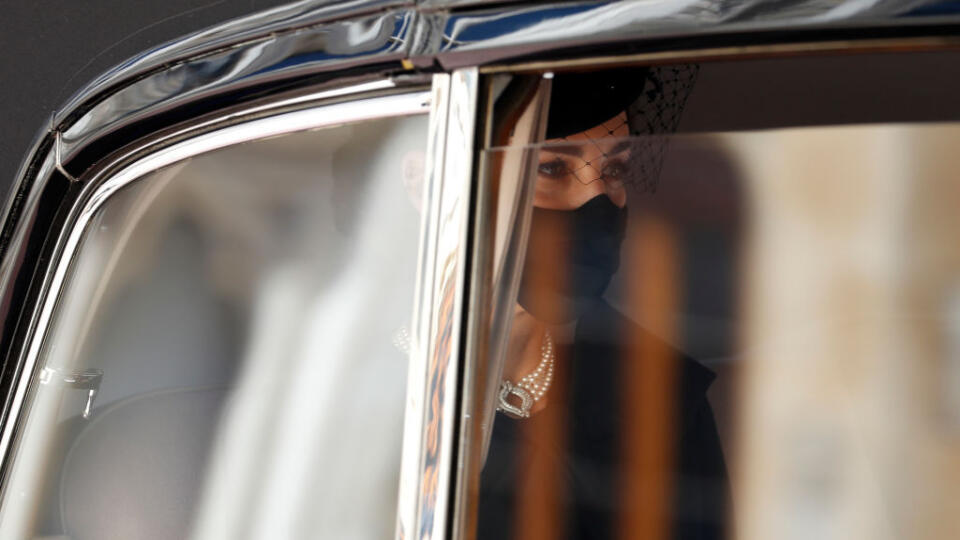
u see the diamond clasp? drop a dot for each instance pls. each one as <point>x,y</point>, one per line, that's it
<point>526,400</point>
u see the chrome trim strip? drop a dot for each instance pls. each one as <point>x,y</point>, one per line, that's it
<point>311,97</point>
<point>428,474</point>
<point>415,416</point>
<point>58,157</point>
<point>458,183</point>
<point>108,180</point>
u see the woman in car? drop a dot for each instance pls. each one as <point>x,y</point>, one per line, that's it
<point>564,459</point>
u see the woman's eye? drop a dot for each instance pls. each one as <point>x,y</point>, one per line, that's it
<point>614,171</point>
<point>553,169</point>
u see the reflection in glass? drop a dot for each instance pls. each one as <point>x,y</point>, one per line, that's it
<point>245,311</point>
<point>771,352</point>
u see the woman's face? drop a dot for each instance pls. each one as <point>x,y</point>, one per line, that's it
<point>577,168</point>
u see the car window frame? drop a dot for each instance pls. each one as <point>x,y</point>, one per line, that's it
<point>471,448</point>
<point>309,109</point>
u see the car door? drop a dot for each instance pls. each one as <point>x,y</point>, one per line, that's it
<point>234,261</point>
<point>271,280</point>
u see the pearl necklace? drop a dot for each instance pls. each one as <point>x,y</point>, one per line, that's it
<point>532,386</point>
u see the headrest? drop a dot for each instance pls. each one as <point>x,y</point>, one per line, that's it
<point>136,469</point>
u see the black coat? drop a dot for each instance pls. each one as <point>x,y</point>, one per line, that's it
<point>586,471</point>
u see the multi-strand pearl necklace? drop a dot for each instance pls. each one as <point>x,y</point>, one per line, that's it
<point>538,382</point>
<point>532,386</point>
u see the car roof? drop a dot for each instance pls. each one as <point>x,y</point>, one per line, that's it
<point>319,39</point>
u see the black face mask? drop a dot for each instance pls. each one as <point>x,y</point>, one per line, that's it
<point>571,256</point>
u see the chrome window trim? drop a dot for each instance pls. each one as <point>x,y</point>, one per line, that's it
<point>430,466</point>
<point>107,180</point>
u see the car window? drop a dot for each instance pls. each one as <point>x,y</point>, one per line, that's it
<point>228,356</point>
<point>728,333</point>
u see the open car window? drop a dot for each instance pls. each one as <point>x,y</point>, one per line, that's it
<point>723,333</point>
<point>228,355</point>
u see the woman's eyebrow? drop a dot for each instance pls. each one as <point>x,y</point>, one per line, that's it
<point>569,149</point>
<point>621,146</point>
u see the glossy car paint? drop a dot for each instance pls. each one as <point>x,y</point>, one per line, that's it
<point>322,46</point>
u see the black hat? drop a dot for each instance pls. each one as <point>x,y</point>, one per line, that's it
<point>653,98</point>
<point>582,100</point>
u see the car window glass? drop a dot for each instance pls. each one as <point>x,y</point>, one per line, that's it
<point>228,357</point>
<point>726,334</point>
